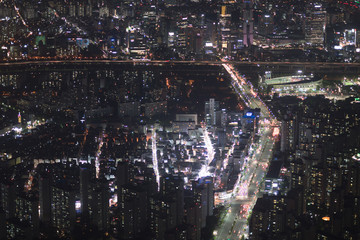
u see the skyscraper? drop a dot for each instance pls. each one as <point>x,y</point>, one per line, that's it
<point>248,25</point>
<point>211,107</point>
<point>315,24</point>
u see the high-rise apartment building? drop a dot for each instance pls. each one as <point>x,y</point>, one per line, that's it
<point>7,198</point>
<point>26,210</point>
<point>94,198</point>
<point>193,218</point>
<point>204,194</point>
<point>162,216</point>
<point>172,186</point>
<point>63,214</point>
<point>132,207</point>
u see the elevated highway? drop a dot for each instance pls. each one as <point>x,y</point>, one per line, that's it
<point>166,65</point>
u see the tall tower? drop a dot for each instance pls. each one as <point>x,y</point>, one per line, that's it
<point>315,24</point>
<point>225,32</point>
<point>248,25</point>
<point>19,117</point>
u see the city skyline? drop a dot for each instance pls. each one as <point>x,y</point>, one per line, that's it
<point>169,119</point>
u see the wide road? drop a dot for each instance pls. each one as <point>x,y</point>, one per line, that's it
<point>245,194</point>
<point>246,189</point>
<point>245,90</point>
<point>170,62</point>
<point>241,225</point>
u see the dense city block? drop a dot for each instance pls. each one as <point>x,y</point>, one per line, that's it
<point>171,119</point>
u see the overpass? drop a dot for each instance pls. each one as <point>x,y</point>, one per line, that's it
<point>287,68</point>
